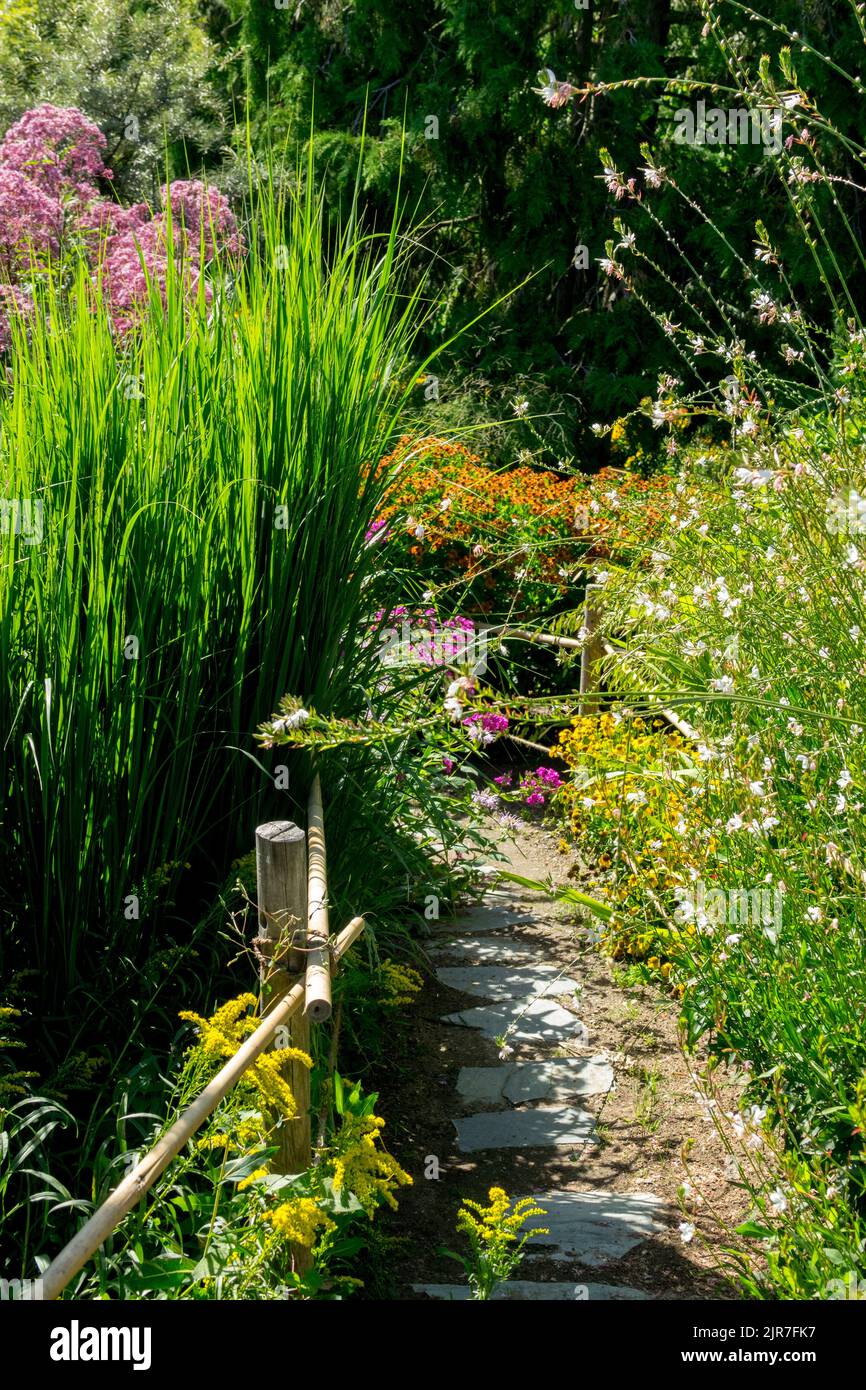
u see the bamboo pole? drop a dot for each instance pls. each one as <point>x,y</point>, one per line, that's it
<point>681,725</point>
<point>549,639</point>
<point>544,639</point>
<point>317,1007</point>
<point>590,656</point>
<point>127,1194</point>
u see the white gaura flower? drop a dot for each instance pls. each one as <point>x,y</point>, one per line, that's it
<point>452,708</point>
<point>778,1201</point>
<point>724,684</point>
<point>844,779</point>
<point>687,1232</point>
<point>841,803</point>
<point>291,721</point>
<point>753,477</point>
<point>735,823</point>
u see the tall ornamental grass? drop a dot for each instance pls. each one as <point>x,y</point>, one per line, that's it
<point>183,540</point>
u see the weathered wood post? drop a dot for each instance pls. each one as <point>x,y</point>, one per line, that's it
<point>593,650</point>
<point>281,887</point>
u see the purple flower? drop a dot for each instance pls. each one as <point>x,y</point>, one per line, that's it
<point>376,532</point>
<point>504,780</point>
<point>535,799</point>
<point>447,764</point>
<point>30,220</point>
<point>543,777</point>
<point>488,800</point>
<point>495,723</point>
<point>100,221</point>
<point>58,149</point>
<point>485,728</point>
<point>206,218</point>
<point>137,260</point>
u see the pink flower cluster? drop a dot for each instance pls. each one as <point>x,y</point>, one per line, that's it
<point>137,260</point>
<point>58,149</point>
<point>537,786</point>
<point>423,640</point>
<point>485,728</point>
<point>31,221</point>
<point>51,161</point>
<point>206,218</point>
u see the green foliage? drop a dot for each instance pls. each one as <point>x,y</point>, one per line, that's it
<point>139,70</point>
<point>510,188</point>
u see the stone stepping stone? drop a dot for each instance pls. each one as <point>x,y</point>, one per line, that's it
<point>506,982</point>
<point>523,1081</point>
<point>594,1228</point>
<point>482,950</point>
<point>540,1021</point>
<point>525,1291</point>
<point>524,1129</point>
<point>494,918</point>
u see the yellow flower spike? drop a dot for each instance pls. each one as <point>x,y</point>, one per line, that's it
<point>299,1220</point>
<point>253,1177</point>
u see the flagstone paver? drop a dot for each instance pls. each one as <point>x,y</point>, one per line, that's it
<point>594,1227</point>
<point>540,1021</point>
<point>557,1079</point>
<point>524,1129</point>
<point>495,948</point>
<point>507,982</point>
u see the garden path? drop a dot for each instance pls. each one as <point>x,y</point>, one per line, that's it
<point>551,1118</point>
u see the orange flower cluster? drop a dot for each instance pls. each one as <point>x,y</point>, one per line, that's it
<point>522,524</point>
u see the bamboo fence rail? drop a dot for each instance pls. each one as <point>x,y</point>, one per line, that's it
<point>296,987</point>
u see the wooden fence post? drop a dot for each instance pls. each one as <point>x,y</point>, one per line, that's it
<point>592,652</point>
<point>281,886</point>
